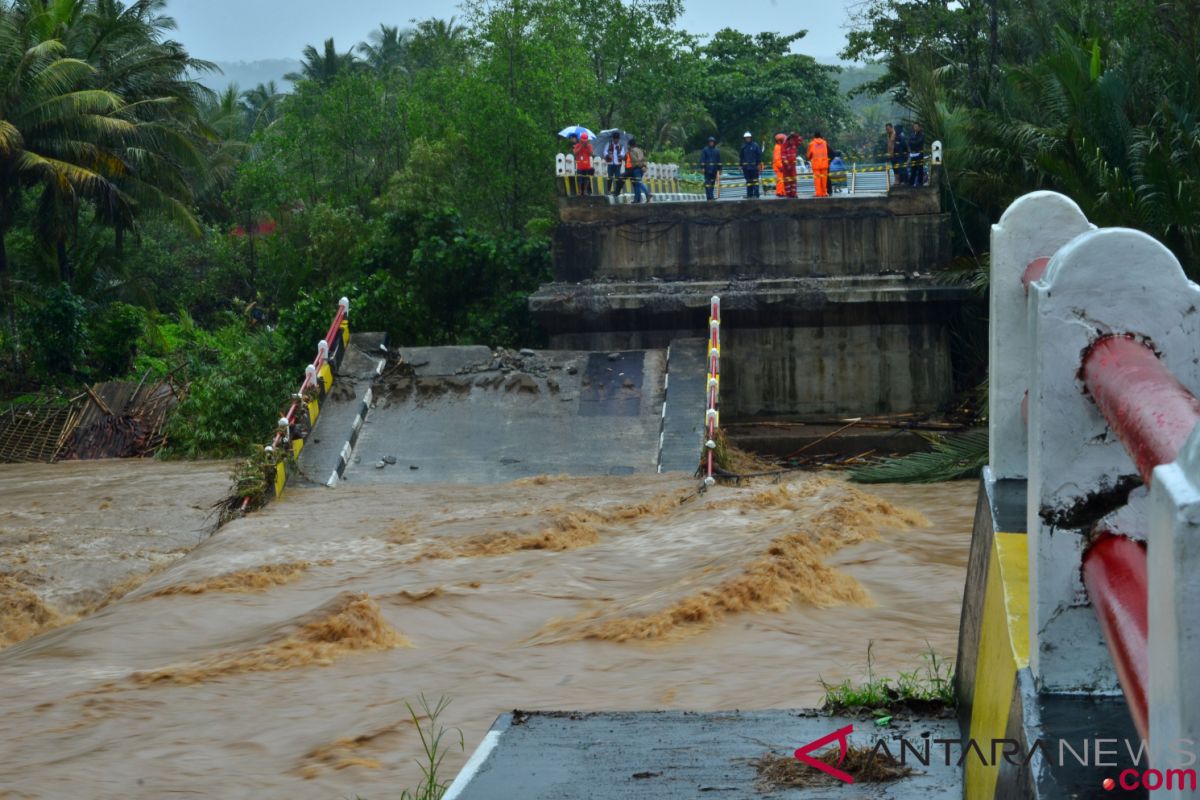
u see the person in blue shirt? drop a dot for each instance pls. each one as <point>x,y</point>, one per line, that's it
<point>837,173</point>
<point>751,161</point>
<point>710,163</point>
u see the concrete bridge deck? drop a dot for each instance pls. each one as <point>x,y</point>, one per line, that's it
<point>469,415</point>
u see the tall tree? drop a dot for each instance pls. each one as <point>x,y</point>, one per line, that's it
<point>322,66</point>
<point>757,83</point>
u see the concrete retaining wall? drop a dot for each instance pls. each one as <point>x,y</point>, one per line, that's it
<point>837,236</point>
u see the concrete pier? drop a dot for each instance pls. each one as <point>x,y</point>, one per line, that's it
<point>831,306</point>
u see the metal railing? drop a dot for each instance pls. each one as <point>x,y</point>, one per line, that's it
<point>295,425</point>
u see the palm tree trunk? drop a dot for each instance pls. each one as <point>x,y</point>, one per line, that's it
<point>64,263</point>
<point>10,305</point>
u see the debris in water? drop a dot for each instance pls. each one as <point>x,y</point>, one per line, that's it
<point>349,623</point>
<point>258,579</point>
<point>345,752</point>
<point>777,772</point>
<point>567,531</point>
<point>23,614</point>
<point>788,570</point>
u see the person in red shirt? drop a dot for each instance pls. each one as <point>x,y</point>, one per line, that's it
<point>791,149</point>
<point>583,164</point>
<point>818,156</point>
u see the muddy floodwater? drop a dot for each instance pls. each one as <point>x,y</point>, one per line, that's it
<point>274,659</point>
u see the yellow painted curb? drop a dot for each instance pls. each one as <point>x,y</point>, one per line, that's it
<point>1003,649</point>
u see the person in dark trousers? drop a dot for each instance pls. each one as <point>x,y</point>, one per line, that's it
<point>637,168</point>
<point>916,155</point>
<point>889,146</point>
<point>710,164</point>
<point>614,159</point>
<point>583,164</point>
<point>900,157</point>
<point>751,161</point>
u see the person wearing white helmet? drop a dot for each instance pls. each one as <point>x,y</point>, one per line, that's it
<point>751,161</point>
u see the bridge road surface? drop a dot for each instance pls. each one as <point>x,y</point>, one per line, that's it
<point>669,755</point>
<point>460,415</point>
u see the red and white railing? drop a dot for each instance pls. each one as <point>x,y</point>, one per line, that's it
<point>712,414</point>
<point>318,378</point>
<point>1095,365</point>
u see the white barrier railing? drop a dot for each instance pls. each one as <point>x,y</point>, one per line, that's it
<point>1059,288</point>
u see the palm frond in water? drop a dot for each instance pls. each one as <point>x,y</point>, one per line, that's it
<point>951,457</point>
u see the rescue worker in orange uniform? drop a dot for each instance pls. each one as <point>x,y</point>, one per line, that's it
<point>583,164</point>
<point>791,149</point>
<point>818,156</point>
<point>780,188</point>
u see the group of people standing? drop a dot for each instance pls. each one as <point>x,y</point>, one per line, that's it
<point>906,154</point>
<point>787,155</point>
<point>622,160</point>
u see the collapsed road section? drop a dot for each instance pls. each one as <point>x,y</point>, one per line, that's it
<point>474,415</point>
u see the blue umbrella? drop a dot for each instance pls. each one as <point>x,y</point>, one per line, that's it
<point>577,130</point>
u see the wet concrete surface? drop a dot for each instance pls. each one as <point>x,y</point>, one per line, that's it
<point>461,416</point>
<point>680,754</point>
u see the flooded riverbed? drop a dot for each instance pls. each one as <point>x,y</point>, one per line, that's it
<point>274,661</point>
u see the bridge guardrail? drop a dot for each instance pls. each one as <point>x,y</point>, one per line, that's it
<point>1095,348</point>
<point>297,422</point>
<point>685,182</point>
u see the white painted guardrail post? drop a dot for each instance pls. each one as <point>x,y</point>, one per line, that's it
<point>1109,281</point>
<point>1174,601</point>
<point>1034,226</point>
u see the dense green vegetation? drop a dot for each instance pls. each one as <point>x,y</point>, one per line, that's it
<point>143,217</point>
<point>1099,99</point>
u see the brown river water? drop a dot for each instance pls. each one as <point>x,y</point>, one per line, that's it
<point>275,659</point>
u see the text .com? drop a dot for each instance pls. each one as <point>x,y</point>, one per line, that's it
<point>1153,779</point>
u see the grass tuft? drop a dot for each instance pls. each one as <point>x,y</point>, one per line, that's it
<point>928,686</point>
<point>433,746</point>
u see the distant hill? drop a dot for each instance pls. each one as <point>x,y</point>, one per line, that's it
<point>248,74</point>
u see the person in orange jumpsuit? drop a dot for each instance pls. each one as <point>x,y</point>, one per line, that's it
<point>818,156</point>
<point>780,190</point>
<point>791,149</point>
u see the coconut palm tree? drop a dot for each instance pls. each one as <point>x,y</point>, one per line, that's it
<point>323,66</point>
<point>436,43</point>
<point>261,105</point>
<point>386,50</point>
<point>60,139</point>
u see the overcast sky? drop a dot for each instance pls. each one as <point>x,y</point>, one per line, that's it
<point>248,30</point>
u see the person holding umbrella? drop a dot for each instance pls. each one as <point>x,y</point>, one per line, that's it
<point>614,159</point>
<point>583,163</point>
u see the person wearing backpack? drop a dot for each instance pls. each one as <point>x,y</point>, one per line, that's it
<point>637,168</point>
